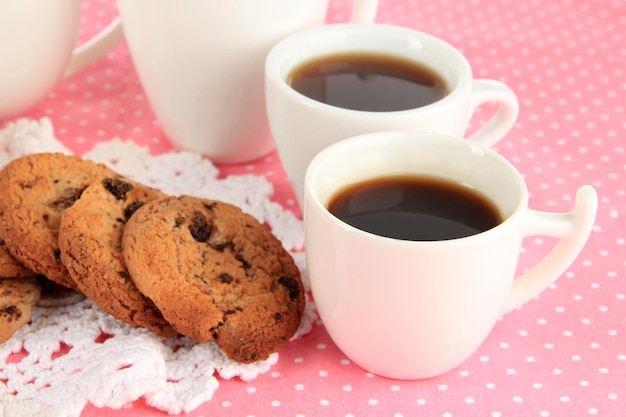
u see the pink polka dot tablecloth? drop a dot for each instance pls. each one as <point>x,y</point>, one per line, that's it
<point>561,354</point>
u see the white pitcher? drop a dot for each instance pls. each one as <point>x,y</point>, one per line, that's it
<point>201,65</point>
<point>37,39</point>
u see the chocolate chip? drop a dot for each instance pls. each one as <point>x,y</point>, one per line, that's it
<point>11,313</point>
<point>179,221</point>
<point>291,285</point>
<point>244,263</point>
<point>66,200</point>
<point>278,317</point>
<point>222,246</point>
<point>117,187</point>
<point>132,208</point>
<point>225,278</point>
<point>200,227</point>
<point>214,330</point>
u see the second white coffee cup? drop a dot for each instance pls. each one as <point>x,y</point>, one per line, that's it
<point>411,309</point>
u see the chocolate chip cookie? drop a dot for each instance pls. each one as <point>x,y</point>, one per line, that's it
<point>216,274</point>
<point>17,297</point>
<point>90,239</point>
<point>36,189</point>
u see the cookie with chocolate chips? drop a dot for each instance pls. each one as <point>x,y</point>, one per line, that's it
<point>36,189</point>
<point>216,274</point>
<point>90,239</point>
<point>17,298</point>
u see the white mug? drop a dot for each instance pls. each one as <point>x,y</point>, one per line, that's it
<point>301,126</point>
<point>37,38</point>
<point>417,309</point>
<point>201,65</point>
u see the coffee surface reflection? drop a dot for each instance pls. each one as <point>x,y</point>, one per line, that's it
<point>368,82</point>
<point>420,208</point>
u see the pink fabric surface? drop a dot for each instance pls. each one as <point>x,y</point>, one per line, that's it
<point>562,354</point>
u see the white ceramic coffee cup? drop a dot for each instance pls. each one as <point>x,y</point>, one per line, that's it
<point>37,39</point>
<point>301,126</point>
<point>410,309</point>
<point>201,65</point>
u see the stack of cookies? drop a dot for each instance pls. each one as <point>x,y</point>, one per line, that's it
<point>173,264</point>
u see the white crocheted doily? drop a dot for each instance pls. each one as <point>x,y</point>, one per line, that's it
<point>68,356</point>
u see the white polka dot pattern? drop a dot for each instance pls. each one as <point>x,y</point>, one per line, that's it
<point>563,354</point>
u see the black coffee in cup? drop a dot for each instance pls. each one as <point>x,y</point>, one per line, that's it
<point>368,82</point>
<point>420,208</point>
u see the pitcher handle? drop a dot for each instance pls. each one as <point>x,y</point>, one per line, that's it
<point>96,47</point>
<point>572,228</point>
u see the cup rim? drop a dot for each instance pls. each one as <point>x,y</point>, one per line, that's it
<point>276,74</point>
<point>375,140</point>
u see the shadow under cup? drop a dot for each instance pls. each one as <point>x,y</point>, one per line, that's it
<point>410,309</point>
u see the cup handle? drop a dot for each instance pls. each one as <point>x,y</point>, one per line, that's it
<point>485,91</point>
<point>95,47</point>
<point>364,11</point>
<point>572,228</point>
